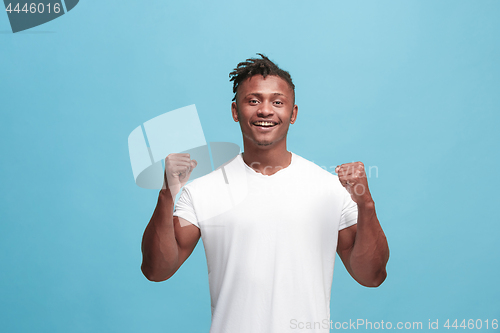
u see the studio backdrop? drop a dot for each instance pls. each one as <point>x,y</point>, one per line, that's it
<point>410,88</point>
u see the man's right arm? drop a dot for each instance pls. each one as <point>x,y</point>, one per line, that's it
<point>169,240</point>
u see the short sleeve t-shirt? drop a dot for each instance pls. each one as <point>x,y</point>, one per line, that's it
<point>270,243</point>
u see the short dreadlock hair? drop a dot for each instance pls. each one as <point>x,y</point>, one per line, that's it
<point>256,66</point>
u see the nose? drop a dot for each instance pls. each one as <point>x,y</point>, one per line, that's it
<point>265,110</point>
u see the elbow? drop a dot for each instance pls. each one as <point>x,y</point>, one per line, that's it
<point>376,281</point>
<point>153,276</point>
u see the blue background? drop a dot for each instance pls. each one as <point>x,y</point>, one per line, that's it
<point>410,87</point>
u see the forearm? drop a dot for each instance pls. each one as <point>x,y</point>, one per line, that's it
<point>370,251</point>
<point>160,252</point>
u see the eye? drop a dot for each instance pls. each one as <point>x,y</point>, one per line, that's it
<point>253,101</point>
<point>278,102</point>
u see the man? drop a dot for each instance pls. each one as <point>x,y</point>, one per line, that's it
<point>270,220</point>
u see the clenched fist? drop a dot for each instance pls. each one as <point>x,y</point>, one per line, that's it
<point>353,177</point>
<point>178,168</point>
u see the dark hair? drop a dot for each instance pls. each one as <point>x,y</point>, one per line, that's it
<point>256,66</point>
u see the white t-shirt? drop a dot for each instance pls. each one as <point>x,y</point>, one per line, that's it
<point>270,243</point>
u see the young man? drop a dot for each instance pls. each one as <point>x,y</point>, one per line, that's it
<point>270,220</point>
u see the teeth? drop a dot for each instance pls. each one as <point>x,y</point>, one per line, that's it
<point>264,123</point>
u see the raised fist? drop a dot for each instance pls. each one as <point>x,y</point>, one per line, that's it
<point>353,177</point>
<point>178,168</point>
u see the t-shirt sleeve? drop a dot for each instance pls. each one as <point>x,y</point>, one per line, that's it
<point>184,207</point>
<point>349,214</point>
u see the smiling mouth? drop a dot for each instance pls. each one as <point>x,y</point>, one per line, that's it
<point>265,123</point>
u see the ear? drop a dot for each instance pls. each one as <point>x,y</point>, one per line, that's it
<point>234,111</point>
<point>295,110</point>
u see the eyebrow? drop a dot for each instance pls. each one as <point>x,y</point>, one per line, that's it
<point>260,94</point>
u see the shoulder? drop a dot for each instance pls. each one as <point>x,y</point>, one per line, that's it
<point>315,170</point>
<point>214,179</point>
<point>320,175</point>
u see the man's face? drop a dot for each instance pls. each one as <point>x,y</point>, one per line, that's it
<point>265,109</point>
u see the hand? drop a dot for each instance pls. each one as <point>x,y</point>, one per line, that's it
<point>353,177</point>
<point>178,168</point>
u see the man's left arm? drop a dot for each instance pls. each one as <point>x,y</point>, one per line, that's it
<point>362,247</point>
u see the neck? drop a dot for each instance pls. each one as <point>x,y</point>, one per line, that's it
<point>267,161</point>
